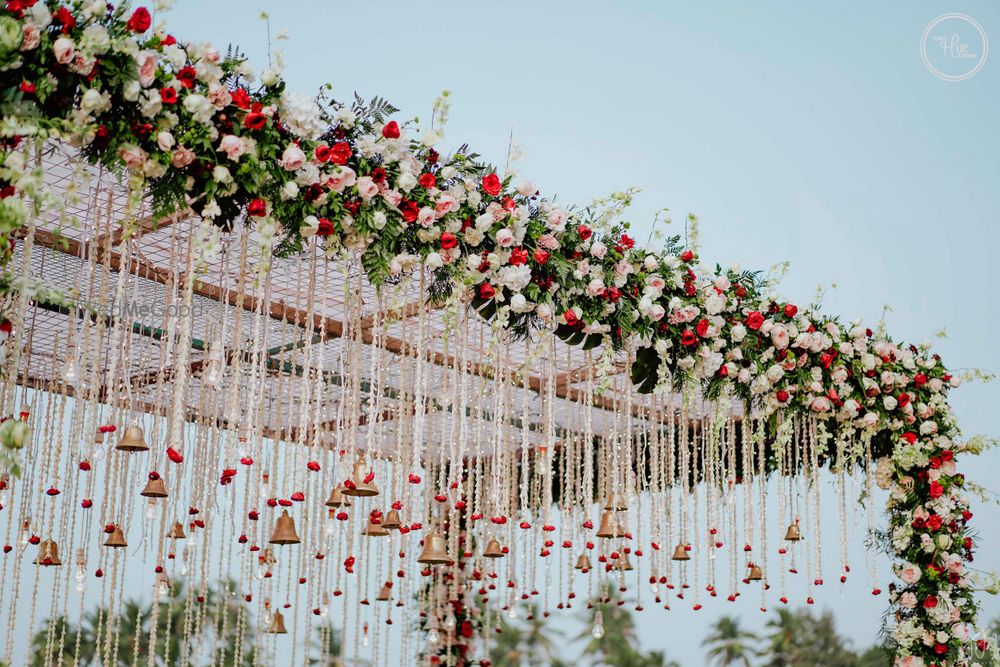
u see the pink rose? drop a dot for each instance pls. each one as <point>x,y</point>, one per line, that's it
<point>598,250</point>
<point>393,197</point>
<point>505,238</point>
<point>908,600</point>
<point>64,49</point>
<point>656,282</point>
<point>220,97</point>
<point>821,404</point>
<point>595,287</point>
<point>293,158</point>
<point>133,156</point>
<point>182,157</point>
<point>556,218</point>
<point>910,574</point>
<point>233,147</point>
<point>31,37</point>
<point>655,312</point>
<point>343,177</point>
<point>548,241</point>
<point>526,188</point>
<point>445,204</point>
<point>426,217</point>
<point>147,68</point>
<point>367,188</point>
<point>779,336</point>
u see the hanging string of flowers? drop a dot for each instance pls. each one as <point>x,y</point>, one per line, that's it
<point>193,129</point>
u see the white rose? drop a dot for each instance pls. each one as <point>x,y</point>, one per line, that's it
<point>221,174</point>
<point>598,250</point>
<point>165,141</point>
<point>526,188</point>
<point>434,261</point>
<point>379,220</point>
<point>406,181</point>
<point>290,190</point>
<point>64,49</point>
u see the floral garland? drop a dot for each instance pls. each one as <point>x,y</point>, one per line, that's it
<point>192,129</point>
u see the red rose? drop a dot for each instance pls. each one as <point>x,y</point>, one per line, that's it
<point>542,256</point>
<point>255,121</point>
<point>584,232</point>
<point>27,88</point>
<point>903,400</point>
<point>571,318</point>
<point>257,208</point>
<point>936,490</point>
<point>427,180</point>
<point>687,256</point>
<point>518,256</point>
<point>467,629</point>
<point>241,98</point>
<point>755,320</point>
<point>702,327</point>
<point>689,338</point>
<point>64,18</point>
<point>782,396</point>
<point>340,152</point>
<point>448,241</point>
<point>168,95</point>
<point>325,227</point>
<point>410,210</point>
<point>934,522</point>
<point>930,602</point>
<point>492,185</point>
<point>139,21</point>
<point>187,76</point>
<point>910,437</point>
<point>322,153</point>
<point>391,130</point>
<point>486,291</point>
<point>790,310</point>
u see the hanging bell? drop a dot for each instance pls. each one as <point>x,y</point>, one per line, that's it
<point>277,626</point>
<point>155,488</point>
<point>337,498</point>
<point>375,530</point>
<point>755,573</point>
<point>384,593</point>
<point>391,521</point>
<point>132,440</point>
<point>622,563</point>
<point>793,534</point>
<point>583,563</point>
<point>363,485</point>
<point>607,528</point>
<point>493,549</point>
<point>680,552</point>
<point>177,532</point>
<point>48,554</point>
<point>116,538</point>
<point>616,503</point>
<point>435,551</point>
<point>284,530</point>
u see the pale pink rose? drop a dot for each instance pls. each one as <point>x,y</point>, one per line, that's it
<point>595,287</point>
<point>623,268</point>
<point>779,336</point>
<point>445,204</point>
<point>293,158</point>
<point>233,147</point>
<point>165,140</point>
<point>655,312</point>
<point>548,241</point>
<point>598,250</point>
<point>920,512</point>
<point>210,53</point>
<point>908,600</point>
<point>526,188</point>
<point>183,156</point>
<point>909,661</point>
<point>425,216</point>
<point>147,68</point>
<point>342,177</point>
<point>133,156</point>
<point>910,574</point>
<point>821,404</point>
<point>31,37</point>
<point>505,238</point>
<point>497,211</point>
<point>367,188</point>
<point>556,218</point>
<point>393,197</point>
<point>64,49</point>
<point>656,282</point>
<point>220,97</point>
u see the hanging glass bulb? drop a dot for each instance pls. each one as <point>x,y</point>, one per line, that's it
<point>151,509</point>
<point>261,571</point>
<point>449,622</point>
<point>433,638</point>
<point>163,587</point>
<point>512,611</point>
<point>330,529</point>
<point>4,498</point>
<point>214,367</point>
<point>655,588</point>
<point>71,371</point>
<point>243,449</point>
<point>598,631</point>
<point>364,636</point>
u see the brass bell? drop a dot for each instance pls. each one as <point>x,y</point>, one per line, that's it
<point>435,550</point>
<point>361,487</point>
<point>755,573</point>
<point>375,530</point>
<point>622,563</point>
<point>493,549</point>
<point>277,626</point>
<point>384,593</point>
<point>284,530</point>
<point>609,527</point>
<point>116,538</point>
<point>391,521</point>
<point>48,554</point>
<point>793,534</point>
<point>616,503</point>
<point>337,498</point>
<point>177,532</point>
<point>680,552</point>
<point>155,488</point>
<point>583,563</point>
<point>132,440</point>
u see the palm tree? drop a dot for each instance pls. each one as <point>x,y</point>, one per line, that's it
<point>619,644</point>
<point>728,643</point>
<point>782,641</point>
<point>533,641</point>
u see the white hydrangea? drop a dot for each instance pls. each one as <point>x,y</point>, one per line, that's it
<point>302,115</point>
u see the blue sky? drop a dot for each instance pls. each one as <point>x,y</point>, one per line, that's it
<point>799,131</point>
